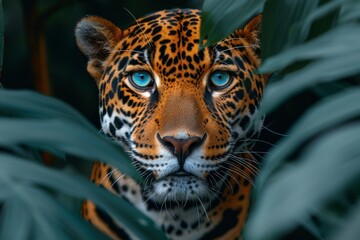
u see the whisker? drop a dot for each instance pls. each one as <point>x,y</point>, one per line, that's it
<point>253,170</point>
<point>225,40</point>
<point>237,47</point>
<point>274,132</point>
<point>241,172</point>
<point>226,182</point>
<point>148,42</point>
<point>203,207</point>
<point>132,51</point>
<point>108,175</point>
<point>257,140</point>
<point>117,180</point>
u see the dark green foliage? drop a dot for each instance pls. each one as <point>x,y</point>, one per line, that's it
<point>310,180</point>
<point>31,193</point>
<point>220,18</point>
<point>1,39</point>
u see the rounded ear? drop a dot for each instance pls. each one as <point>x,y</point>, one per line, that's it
<point>251,33</point>
<point>96,38</point>
<point>252,30</point>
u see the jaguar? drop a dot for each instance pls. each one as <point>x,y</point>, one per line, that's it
<point>187,115</point>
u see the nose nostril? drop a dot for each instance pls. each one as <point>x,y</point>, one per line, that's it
<point>181,148</point>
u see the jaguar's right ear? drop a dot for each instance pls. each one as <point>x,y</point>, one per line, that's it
<point>96,38</point>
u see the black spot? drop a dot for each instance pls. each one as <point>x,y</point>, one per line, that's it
<point>156,38</point>
<point>165,41</point>
<point>251,108</point>
<point>178,232</point>
<point>183,225</point>
<point>244,123</point>
<point>149,18</point>
<point>170,229</point>
<point>195,225</point>
<point>229,221</point>
<point>123,63</point>
<point>125,99</point>
<point>106,219</point>
<point>156,30</point>
<point>114,84</point>
<point>247,83</point>
<point>231,105</point>
<point>239,95</point>
<point>110,110</point>
<point>246,182</point>
<point>124,188</point>
<point>239,63</point>
<point>112,129</point>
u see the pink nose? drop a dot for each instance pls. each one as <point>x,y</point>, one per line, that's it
<point>181,148</point>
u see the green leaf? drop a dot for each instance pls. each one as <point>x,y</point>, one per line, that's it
<point>221,18</point>
<point>339,41</point>
<point>323,18</point>
<point>331,111</point>
<point>281,23</point>
<point>294,193</point>
<point>66,136</point>
<point>1,39</point>
<point>351,226</point>
<point>322,70</point>
<point>32,174</point>
<point>350,12</point>
<point>35,210</point>
<point>31,104</point>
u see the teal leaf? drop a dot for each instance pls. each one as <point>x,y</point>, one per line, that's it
<point>288,14</point>
<point>294,193</point>
<point>321,116</point>
<point>339,41</point>
<point>66,136</point>
<point>28,174</point>
<point>319,71</point>
<point>221,18</point>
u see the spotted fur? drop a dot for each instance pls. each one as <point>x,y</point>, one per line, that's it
<point>189,140</point>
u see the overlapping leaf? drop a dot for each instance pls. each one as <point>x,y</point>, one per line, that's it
<point>33,122</point>
<point>28,175</point>
<point>221,18</point>
<point>301,188</point>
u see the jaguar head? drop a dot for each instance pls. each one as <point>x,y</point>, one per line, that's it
<point>180,111</point>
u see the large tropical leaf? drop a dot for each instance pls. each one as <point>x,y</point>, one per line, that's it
<point>220,18</point>
<point>324,115</point>
<point>31,122</point>
<point>305,176</point>
<point>303,187</point>
<point>28,175</point>
<point>1,39</point>
<point>59,127</point>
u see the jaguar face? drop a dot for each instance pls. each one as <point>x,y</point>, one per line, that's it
<point>181,112</point>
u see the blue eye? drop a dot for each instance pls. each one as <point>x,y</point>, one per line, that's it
<point>219,79</point>
<point>141,80</point>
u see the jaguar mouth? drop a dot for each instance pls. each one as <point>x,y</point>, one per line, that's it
<point>182,174</point>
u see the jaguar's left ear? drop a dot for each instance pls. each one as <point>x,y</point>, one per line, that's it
<point>251,32</point>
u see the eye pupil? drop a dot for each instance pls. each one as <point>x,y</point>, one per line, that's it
<point>219,80</point>
<point>141,80</point>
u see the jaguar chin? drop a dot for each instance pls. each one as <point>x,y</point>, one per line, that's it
<point>186,115</point>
